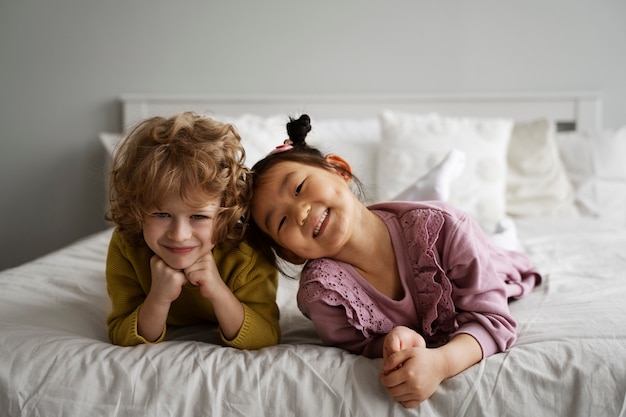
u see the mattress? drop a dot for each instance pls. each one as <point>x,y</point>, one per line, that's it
<point>569,360</point>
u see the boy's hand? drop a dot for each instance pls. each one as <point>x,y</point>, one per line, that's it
<point>228,309</point>
<point>167,283</point>
<point>204,274</point>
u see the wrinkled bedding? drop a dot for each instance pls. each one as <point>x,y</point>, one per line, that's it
<point>570,358</point>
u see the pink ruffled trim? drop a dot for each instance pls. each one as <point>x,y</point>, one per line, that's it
<point>328,283</point>
<point>325,280</point>
<point>434,289</point>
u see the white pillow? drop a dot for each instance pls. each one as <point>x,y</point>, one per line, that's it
<point>595,163</point>
<point>259,134</point>
<point>412,144</point>
<point>537,183</point>
<point>355,140</point>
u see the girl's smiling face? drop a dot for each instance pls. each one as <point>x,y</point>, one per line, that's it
<point>305,209</point>
<point>180,234</point>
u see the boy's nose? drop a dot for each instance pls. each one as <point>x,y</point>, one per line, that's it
<point>180,231</point>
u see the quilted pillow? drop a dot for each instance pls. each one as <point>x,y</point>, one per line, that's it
<point>412,144</point>
<point>537,183</point>
<point>259,134</point>
<point>595,164</point>
<point>356,140</point>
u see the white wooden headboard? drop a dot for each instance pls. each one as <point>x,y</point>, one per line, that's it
<point>571,110</point>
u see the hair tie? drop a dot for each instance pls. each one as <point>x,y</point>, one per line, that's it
<point>287,145</point>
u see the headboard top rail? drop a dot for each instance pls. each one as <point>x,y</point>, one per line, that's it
<point>582,109</point>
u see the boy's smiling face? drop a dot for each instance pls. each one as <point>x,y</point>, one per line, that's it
<point>180,234</point>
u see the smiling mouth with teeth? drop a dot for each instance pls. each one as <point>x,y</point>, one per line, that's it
<point>319,225</point>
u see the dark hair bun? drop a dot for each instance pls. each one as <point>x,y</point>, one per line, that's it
<point>297,129</point>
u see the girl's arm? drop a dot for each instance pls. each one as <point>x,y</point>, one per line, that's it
<point>332,320</point>
<point>412,372</point>
<point>479,273</point>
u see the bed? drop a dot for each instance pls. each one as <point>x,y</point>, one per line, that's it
<point>548,165</point>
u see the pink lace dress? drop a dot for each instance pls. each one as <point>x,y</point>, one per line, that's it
<point>454,279</point>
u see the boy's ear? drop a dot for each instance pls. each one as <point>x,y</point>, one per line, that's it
<point>341,165</point>
<point>289,256</point>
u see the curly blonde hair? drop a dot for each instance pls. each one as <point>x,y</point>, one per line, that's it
<point>197,157</point>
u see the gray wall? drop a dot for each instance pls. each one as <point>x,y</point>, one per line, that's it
<point>63,63</point>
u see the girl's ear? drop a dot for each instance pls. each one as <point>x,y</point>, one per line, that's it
<point>341,165</point>
<point>289,256</point>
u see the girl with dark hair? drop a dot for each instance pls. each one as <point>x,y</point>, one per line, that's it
<point>417,283</point>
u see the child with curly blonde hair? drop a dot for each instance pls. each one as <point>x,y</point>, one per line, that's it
<point>179,194</point>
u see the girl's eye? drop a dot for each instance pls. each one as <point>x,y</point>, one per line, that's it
<point>282,221</point>
<point>299,188</point>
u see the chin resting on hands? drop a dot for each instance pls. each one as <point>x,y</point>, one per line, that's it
<point>204,274</point>
<point>167,282</point>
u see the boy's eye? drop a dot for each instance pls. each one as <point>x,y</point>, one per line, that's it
<point>199,217</point>
<point>299,188</point>
<point>160,215</point>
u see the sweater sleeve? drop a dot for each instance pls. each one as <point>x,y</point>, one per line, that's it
<point>344,316</point>
<point>479,294</point>
<point>335,329</point>
<point>254,282</point>
<point>126,294</point>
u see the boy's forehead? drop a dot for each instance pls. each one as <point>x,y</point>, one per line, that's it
<point>191,200</point>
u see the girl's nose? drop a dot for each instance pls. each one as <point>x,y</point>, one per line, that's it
<point>302,213</point>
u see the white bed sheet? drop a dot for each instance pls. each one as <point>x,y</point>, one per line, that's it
<point>570,358</point>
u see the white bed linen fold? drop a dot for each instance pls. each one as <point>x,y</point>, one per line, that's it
<point>570,358</point>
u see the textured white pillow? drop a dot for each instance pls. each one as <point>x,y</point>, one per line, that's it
<point>537,183</point>
<point>595,163</point>
<point>355,140</point>
<point>259,134</point>
<point>412,144</point>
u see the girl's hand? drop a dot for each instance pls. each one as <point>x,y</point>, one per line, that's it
<point>401,338</point>
<point>167,283</point>
<point>412,372</point>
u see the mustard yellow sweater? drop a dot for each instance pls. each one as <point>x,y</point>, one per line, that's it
<point>248,275</point>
